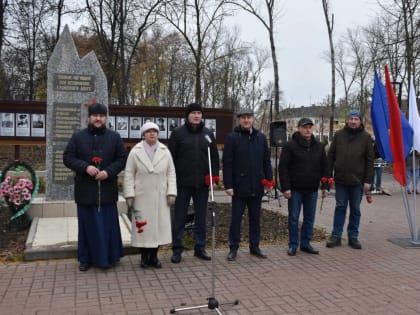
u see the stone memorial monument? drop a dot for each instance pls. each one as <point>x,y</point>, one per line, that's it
<point>72,84</point>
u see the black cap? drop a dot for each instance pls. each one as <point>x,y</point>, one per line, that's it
<point>304,122</point>
<point>245,111</point>
<point>193,107</point>
<point>97,108</point>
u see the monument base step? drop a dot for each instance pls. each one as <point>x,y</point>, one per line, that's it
<point>54,238</point>
<point>61,208</point>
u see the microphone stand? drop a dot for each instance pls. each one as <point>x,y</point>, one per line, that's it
<point>212,304</point>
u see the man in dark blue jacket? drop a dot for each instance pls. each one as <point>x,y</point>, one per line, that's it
<point>303,165</point>
<point>96,155</point>
<point>188,145</point>
<point>246,162</point>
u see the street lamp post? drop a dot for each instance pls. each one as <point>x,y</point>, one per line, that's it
<point>271,146</point>
<point>399,85</point>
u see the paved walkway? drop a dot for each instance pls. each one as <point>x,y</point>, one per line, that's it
<point>382,278</point>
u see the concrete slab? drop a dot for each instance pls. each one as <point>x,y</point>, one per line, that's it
<point>405,242</point>
<point>50,238</point>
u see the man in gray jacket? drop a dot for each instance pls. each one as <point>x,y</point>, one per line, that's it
<point>351,158</point>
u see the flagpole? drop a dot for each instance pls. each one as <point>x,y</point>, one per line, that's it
<point>414,120</point>
<point>407,211</point>
<point>416,233</point>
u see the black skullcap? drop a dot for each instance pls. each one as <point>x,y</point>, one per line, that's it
<point>193,107</point>
<point>97,108</point>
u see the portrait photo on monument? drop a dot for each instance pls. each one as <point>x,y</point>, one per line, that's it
<point>22,120</point>
<point>122,123</point>
<point>22,125</point>
<point>38,121</point>
<point>7,126</point>
<point>7,120</point>
<point>211,124</point>
<point>135,123</point>
<point>161,122</point>
<point>110,122</point>
<point>147,119</point>
<point>135,126</point>
<point>173,123</point>
<point>122,126</point>
<point>38,125</point>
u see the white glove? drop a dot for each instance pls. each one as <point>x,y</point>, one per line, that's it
<point>130,202</point>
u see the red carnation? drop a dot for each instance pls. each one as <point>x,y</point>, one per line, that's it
<point>327,180</point>
<point>215,179</point>
<point>139,226</point>
<point>96,160</point>
<point>267,183</point>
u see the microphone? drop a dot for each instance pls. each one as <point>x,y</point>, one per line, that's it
<point>208,139</point>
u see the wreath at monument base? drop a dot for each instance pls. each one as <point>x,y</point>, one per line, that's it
<point>19,186</point>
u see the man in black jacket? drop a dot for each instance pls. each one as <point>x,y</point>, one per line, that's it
<point>188,145</point>
<point>246,163</point>
<point>96,155</point>
<point>303,163</point>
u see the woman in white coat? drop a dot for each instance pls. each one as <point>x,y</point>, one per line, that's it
<point>150,190</point>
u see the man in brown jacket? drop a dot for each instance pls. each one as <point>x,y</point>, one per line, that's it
<point>351,158</point>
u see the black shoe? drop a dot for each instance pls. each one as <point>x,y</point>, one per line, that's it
<point>291,251</point>
<point>309,249</point>
<point>232,254</point>
<point>153,260</point>
<point>143,264</point>
<point>156,263</point>
<point>84,267</point>
<point>334,241</point>
<point>202,255</point>
<point>257,252</point>
<point>354,243</point>
<point>145,257</point>
<point>176,258</point>
<point>144,261</point>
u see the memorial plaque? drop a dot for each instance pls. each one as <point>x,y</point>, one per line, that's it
<point>66,119</point>
<point>73,82</point>
<point>61,174</point>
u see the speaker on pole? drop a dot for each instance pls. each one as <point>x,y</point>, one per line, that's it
<point>278,134</point>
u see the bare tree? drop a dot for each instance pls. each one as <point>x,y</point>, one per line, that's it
<point>346,73</point>
<point>3,13</point>
<point>267,16</point>
<point>131,29</point>
<point>329,20</point>
<point>200,23</point>
<point>104,18</point>
<point>401,27</point>
<point>27,28</point>
<point>361,63</point>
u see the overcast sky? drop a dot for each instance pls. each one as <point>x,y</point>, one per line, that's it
<point>301,38</point>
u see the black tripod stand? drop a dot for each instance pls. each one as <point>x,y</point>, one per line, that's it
<point>212,303</point>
